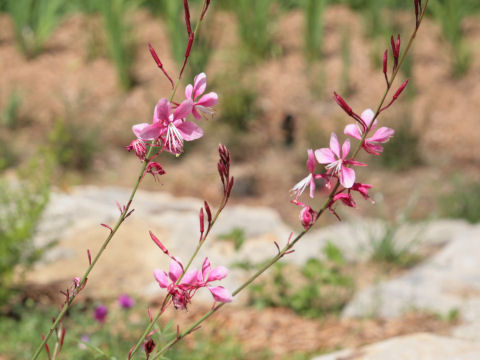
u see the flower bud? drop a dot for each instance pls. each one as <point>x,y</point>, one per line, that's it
<point>307,217</point>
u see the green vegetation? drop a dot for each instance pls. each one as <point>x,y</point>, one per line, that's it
<point>450,14</point>
<point>10,117</point>
<point>392,249</point>
<point>34,21</point>
<point>72,144</point>
<point>314,12</point>
<point>236,236</point>
<point>317,289</point>
<point>255,22</point>
<point>110,340</point>
<point>116,16</point>
<point>463,202</point>
<point>402,152</point>
<point>22,204</point>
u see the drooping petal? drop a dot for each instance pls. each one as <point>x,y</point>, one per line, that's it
<point>347,177</point>
<point>221,294</point>
<point>367,116</point>
<point>199,84</point>
<point>382,135</point>
<point>137,129</point>
<point>151,132</point>
<point>183,110</point>
<point>210,99</point>
<point>161,278</point>
<point>175,271</point>
<point>324,156</point>
<point>353,131</point>
<point>162,111</point>
<point>310,160</point>
<point>218,273</point>
<point>345,148</point>
<point>372,148</point>
<point>189,91</point>
<point>190,131</point>
<point>334,144</point>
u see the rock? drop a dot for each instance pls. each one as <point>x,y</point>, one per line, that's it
<point>449,282</point>
<point>418,346</point>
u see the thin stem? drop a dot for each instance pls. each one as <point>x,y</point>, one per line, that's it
<point>299,236</point>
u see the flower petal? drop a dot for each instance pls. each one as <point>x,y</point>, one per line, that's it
<point>382,135</point>
<point>150,132</point>
<point>310,160</point>
<point>199,84</point>
<point>137,129</point>
<point>367,116</point>
<point>334,144</point>
<point>345,148</point>
<point>162,111</point>
<point>188,91</point>
<point>175,271</point>
<point>183,110</point>
<point>218,273</point>
<point>324,156</point>
<point>161,278</point>
<point>210,99</point>
<point>353,131</point>
<point>221,294</point>
<point>347,177</point>
<point>189,130</point>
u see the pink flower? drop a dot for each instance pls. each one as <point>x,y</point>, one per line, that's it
<point>172,129</point>
<point>206,101</point>
<point>362,189</point>
<point>100,313</point>
<point>336,160</point>
<point>300,187</point>
<point>219,293</point>
<point>125,301</point>
<point>154,169</point>
<point>138,145</point>
<point>371,144</point>
<point>307,217</point>
<point>181,292</point>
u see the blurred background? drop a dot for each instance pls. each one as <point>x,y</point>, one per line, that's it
<point>76,75</point>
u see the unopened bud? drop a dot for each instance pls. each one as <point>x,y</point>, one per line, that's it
<point>343,104</point>
<point>400,89</point>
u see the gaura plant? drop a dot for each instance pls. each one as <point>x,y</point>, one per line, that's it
<point>169,130</point>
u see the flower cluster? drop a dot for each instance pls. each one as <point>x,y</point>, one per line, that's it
<point>182,289</point>
<point>170,128</point>
<point>338,164</point>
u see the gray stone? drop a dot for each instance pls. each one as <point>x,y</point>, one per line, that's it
<point>449,281</point>
<point>412,347</point>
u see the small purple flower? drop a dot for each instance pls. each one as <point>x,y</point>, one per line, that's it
<point>100,313</point>
<point>125,301</point>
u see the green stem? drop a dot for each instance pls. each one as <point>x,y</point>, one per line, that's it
<point>299,236</point>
